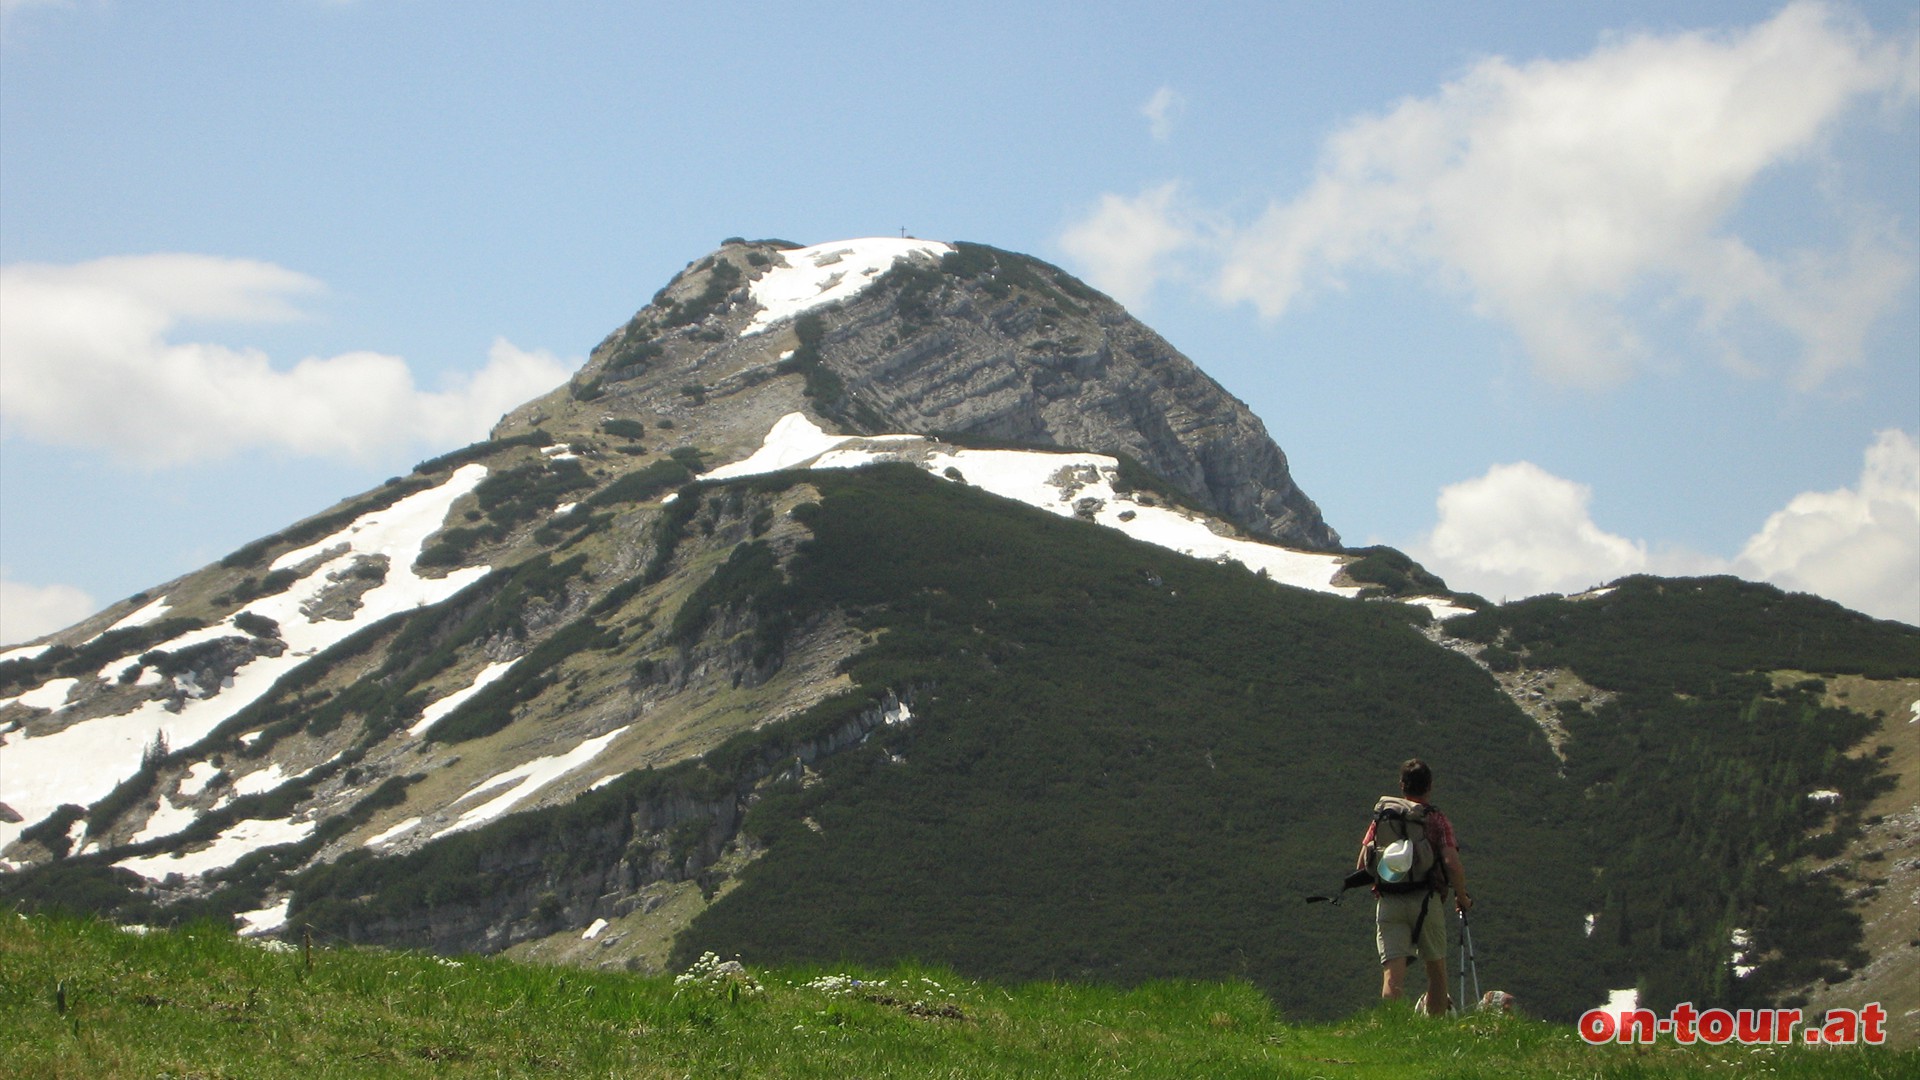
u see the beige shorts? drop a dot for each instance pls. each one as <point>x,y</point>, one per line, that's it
<point>1393,926</point>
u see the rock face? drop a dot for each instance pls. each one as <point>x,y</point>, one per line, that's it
<point>956,340</point>
<point>1050,362</point>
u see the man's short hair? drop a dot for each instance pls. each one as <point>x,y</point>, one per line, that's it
<point>1415,777</point>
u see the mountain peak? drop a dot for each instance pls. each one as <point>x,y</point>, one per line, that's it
<point>917,336</point>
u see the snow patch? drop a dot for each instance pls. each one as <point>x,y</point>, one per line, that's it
<point>524,781</point>
<point>793,442</point>
<point>396,531</point>
<point>594,930</point>
<point>199,775</point>
<point>226,849</point>
<point>149,613</point>
<point>813,277</point>
<point>261,781</point>
<point>264,921</point>
<point>387,835</point>
<point>1825,795</point>
<point>29,652</point>
<point>1592,921</point>
<point>167,820</point>
<point>51,697</point>
<point>433,713</point>
<point>1441,607</point>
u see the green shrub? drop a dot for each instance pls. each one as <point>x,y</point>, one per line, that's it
<point>480,451</point>
<point>640,486</point>
<point>634,356</point>
<point>1392,573</point>
<point>721,280</point>
<point>52,832</point>
<point>257,625</point>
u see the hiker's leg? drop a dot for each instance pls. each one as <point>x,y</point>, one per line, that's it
<point>1393,977</point>
<point>1437,1001</point>
<point>1393,938</point>
<point>1430,944</point>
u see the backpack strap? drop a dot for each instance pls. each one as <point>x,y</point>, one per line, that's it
<point>1422,920</point>
<point>1438,878</point>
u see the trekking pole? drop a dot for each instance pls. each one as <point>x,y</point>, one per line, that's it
<point>1467,959</point>
<point>1460,994</point>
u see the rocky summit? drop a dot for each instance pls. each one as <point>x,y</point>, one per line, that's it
<point>894,599</point>
<point>931,338</point>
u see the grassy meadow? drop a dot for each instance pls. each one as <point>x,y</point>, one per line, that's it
<point>86,999</point>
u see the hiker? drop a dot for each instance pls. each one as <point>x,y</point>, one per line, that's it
<point>1411,852</point>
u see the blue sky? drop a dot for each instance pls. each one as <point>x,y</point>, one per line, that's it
<point>1542,294</point>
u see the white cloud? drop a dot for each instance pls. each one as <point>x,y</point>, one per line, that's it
<point>1519,530</point>
<point>1860,545</point>
<point>1162,110</point>
<point>1581,202</point>
<point>29,611</point>
<point>1126,247</point>
<point>91,361</point>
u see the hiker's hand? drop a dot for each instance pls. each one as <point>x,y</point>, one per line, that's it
<point>1462,902</point>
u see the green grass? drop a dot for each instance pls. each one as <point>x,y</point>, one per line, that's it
<point>85,999</point>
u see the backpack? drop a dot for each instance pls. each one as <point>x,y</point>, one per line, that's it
<point>1396,821</point>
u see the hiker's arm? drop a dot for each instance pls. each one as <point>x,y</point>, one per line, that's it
<point>1457,877</point>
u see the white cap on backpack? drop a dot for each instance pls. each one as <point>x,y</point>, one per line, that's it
<point>1396,860</point>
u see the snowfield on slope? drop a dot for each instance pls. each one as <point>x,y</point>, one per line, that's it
<point>1065,483</point>
<point>83,762</point>
<point>824,274</point>
<point>238,841</point>
<point>523,782</point>
<point>433,713</point>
